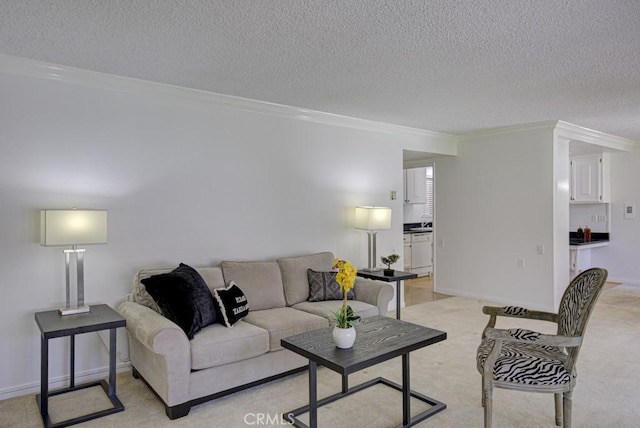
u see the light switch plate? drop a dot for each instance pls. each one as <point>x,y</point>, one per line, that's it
<point>630,211</point>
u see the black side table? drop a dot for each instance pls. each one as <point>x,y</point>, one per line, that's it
<point>52,325</point>
<point>397,277</point>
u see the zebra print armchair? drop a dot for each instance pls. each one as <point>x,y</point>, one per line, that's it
<point>525,360</point>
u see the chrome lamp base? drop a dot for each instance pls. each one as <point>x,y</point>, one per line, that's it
<point>371,235</point>
<point>79,307</point>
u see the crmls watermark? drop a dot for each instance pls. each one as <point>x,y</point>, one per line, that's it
<point>267,419</point>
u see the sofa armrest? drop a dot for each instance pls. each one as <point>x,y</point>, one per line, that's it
<point>160,351</point>
<point>377,293</point>
<point>151,328</point>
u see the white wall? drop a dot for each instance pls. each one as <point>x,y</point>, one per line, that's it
<point>414,213</point>
<point>561,195</point>
<point>582,216</point>
<point>494,204</point>
<point>184,180</point>
<point>621,256</point>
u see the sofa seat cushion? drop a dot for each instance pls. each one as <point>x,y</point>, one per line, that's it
<point>327,308</point>
<point>285,322</point>
<point>216,344</point>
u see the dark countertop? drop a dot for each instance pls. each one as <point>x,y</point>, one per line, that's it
<point>406,228</point>
<point>582,242</point>
<point>595,238</point>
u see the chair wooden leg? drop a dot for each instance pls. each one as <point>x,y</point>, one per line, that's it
<point>566,409</point>
<point>487,394</point>
<point>488,404</point>
<point>558,400</point>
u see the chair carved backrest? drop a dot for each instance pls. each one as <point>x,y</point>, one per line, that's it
<point>577,304</point>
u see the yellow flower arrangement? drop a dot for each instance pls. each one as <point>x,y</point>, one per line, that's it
<point>346,277</point>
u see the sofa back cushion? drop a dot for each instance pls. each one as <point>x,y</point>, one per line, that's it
<point>294,274</point>
<point>261,282</point>
<point>211,275</point>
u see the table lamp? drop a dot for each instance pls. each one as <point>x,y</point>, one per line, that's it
<point>73,228</point>
<point>372,219</point>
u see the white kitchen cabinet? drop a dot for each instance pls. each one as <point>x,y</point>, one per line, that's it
<point>415,186</point>
<point>406,255</point>
<point>590,178</point>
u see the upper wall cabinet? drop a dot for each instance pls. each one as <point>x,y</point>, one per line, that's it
<point>590,178</point>
<point>415,186</point>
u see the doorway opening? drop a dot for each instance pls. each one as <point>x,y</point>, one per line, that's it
<point>419,226</point>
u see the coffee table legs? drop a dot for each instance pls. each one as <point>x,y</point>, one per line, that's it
<point>313,395</point>
<point>406,391</point>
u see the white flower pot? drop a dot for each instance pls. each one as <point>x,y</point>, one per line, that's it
<point>344,337</point>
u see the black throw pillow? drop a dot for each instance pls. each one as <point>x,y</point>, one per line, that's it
<point>323,286</point>
<point>232,304</point>
<point>183,297</point>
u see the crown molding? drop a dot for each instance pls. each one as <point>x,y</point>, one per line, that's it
<point>585,135</point>
<point>561,129</point>
<point>43,70</point>
<point>504,130</point>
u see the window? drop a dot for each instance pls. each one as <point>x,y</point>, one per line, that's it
<point>428,207</point>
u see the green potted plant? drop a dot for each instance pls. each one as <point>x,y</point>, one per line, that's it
<point>346,319</point>
<point>389,260</point>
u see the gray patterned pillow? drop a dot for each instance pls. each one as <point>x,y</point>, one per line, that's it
<point>323,286</point>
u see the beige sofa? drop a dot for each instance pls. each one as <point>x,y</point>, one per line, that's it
<point>221,360</point>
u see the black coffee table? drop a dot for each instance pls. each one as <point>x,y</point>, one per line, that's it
<point>378,339</point>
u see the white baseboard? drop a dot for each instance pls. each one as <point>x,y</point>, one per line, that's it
<point>61,382</point>
<point>502,301</point>
<point>493,299</point>
<point>628,281</point>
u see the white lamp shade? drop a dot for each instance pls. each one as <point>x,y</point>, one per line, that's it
<point>73,227</point>
<point>373,218</point>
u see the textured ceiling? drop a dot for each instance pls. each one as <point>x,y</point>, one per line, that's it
<point>451,66</point>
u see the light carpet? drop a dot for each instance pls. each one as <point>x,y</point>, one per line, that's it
<point>606,395</point>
